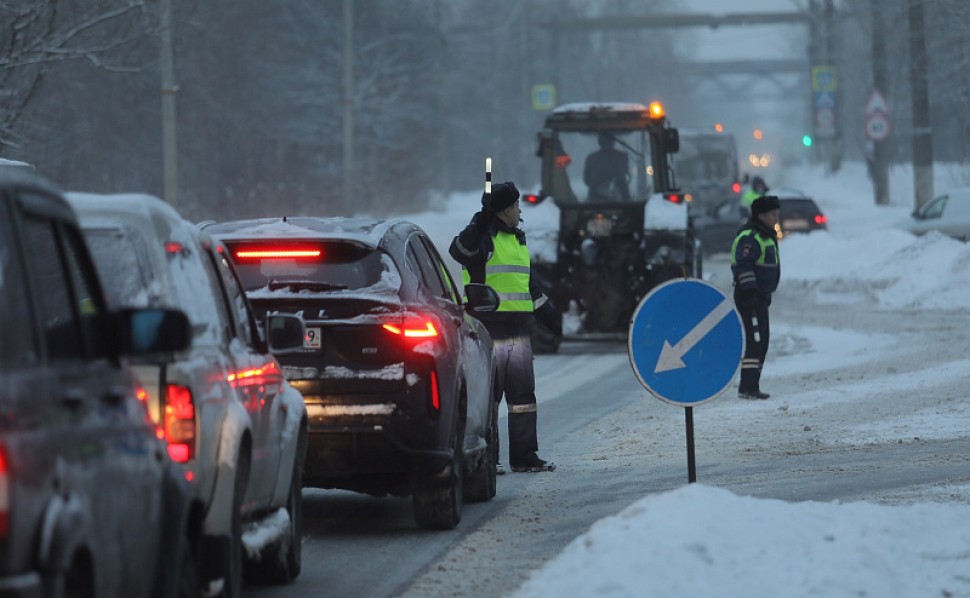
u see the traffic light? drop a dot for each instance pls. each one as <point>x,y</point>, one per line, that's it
<point>807,140</point>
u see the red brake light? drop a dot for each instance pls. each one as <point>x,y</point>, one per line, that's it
<point>278,253</point>
<point>736,187</point>
<point>531,198</point>
<point>435,392</point>
<point>179,423</point>
<point>173,247</point>
<point>4,494</point>
<point>265,375</point>
<point>416,327</point>
<point>674,197</point>
<point>253,384</point>
<point>821,219</point>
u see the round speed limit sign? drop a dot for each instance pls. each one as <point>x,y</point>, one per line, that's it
<point>877,127</point>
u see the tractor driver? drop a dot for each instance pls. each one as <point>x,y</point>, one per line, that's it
<point>606,172</point>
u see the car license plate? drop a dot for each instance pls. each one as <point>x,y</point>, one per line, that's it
<point>794,224</point>
<point>312,340</point>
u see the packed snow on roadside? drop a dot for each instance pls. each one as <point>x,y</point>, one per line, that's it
<point>734,545</point>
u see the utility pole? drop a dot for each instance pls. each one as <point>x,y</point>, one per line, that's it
<point>169,88</point>
<point>348,157</point>
<point>919,88</point>
<point>878,160</point>
<point>835,142</point>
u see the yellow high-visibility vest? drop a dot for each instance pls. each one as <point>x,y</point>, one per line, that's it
<point>507,271</point>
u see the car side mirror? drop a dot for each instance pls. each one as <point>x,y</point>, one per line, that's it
<point>285,333</point>
<point>481,298</point>
<point>147,331</point>
<point>671,140</point>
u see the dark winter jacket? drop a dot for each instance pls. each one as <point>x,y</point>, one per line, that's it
<point>755,260</point>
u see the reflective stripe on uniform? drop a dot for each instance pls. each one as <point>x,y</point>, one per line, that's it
<point>499,269</point>
<point>527,408</point>
<point>462,249</point>
<point>539,302</point>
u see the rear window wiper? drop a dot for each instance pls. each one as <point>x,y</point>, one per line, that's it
<point>305,285</point>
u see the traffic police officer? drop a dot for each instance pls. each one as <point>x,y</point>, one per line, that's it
<point>757,189</point>
<point>756,266</point>
<point>492,250</point>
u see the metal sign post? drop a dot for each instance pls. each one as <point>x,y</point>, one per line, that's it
<point>685,345</point>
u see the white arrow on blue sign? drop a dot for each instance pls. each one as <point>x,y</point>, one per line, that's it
<point>686,342</point>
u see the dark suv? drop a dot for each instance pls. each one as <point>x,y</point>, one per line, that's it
<point>397,376</point>
<point>90,503</point>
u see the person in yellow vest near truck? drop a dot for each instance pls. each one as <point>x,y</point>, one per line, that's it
<point>492,250</point>
<point>756,266</point>
<point>757,189</point>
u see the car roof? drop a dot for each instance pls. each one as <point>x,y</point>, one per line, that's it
<point>787,193</point>
<point>371,232</point>
<point>150,216</point>
<point>95,208</point>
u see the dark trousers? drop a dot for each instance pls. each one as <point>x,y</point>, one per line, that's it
<point>757,333</point>
<point>517,382</point>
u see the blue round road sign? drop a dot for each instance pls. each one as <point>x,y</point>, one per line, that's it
<point>686,342</point>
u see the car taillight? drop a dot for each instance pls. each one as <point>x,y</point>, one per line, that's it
<point>262,253</point>
<point>414,327</point>
<point>4,494</point>
<point>267,374</point>
<point>674,197</point>
<point>253,384</point>
<point>821,219</point>
<point>435,393</point>
<point>736,187</point>
<point>179,423</point>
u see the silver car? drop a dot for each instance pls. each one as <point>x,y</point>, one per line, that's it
<point>222,405</point>
<point>948,213</point>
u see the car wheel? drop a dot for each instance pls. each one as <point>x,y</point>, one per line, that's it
<point>231,563</point>
<point>436,505</point>
<point>480,486</point>
<point>77,582</point>
<point>188,569</point>
<point>280,562</point>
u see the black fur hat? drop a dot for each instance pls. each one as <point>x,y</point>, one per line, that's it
<point>765,203</point>
<point>503,195</point>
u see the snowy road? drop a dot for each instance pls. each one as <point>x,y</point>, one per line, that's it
<point>849,430</point>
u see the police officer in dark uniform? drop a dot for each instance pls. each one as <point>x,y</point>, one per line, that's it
<point>756,266</point>
<point>492,250</point>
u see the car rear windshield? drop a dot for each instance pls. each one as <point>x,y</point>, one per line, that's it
<point>799,206</point>
<point>316,267</point>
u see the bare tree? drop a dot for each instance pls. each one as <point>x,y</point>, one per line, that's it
<point>37,34</point>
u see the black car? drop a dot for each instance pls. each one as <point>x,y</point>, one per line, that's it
<point>718,226</point>
<point>90,503</point>
<point>799,214</point>
<point>396,374</point>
